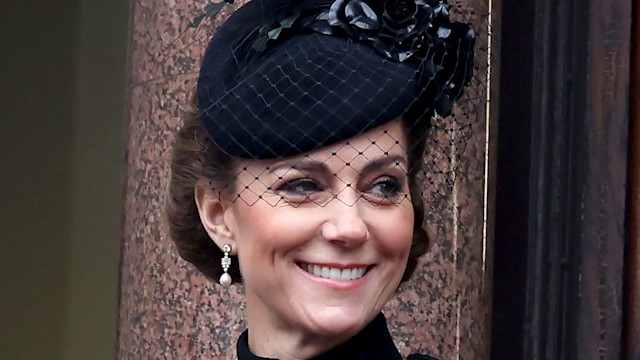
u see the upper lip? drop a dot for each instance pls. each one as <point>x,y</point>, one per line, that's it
<point>337,265</point>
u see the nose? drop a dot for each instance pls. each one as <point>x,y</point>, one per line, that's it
<point>345,225</point>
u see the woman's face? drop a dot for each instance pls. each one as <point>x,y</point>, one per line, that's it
<point>323,238</point>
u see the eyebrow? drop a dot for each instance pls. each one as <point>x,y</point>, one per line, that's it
<point>304,164</point>
<point>320,167</point>
<point>382,162</point>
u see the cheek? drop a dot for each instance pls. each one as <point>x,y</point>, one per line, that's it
<point>267,231</point>
<point>396,231</point>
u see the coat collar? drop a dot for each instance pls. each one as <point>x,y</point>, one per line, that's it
<point>372,342</point>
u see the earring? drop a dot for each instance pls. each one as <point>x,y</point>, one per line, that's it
<point>225,279</point>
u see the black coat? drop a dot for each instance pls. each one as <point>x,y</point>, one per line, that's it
<point>372,343</point>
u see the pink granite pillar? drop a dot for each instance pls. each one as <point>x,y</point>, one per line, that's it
<point>169,311</point>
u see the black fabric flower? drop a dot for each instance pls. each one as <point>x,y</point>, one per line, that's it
<point>354,18</point>
<point>396,28</point>
<point>399,29</point>
<point>456,54</point>
<point>404,24</point>
<point>400,11</point>
<point>416,31</point>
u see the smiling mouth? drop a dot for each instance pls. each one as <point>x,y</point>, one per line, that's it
<point>332,273</point>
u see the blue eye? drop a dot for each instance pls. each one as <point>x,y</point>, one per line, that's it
<point>387,186</point>
<point>386,189</point>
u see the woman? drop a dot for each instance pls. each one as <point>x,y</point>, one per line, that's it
<point>298,172</point>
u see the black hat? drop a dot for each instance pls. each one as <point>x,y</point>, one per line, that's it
<point>283,77</point>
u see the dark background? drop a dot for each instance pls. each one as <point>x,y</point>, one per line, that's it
<point>62,71</point>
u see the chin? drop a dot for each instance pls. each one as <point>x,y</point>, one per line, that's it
<point>339,323</point>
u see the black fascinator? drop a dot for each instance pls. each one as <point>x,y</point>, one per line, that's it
<point>286,77</point>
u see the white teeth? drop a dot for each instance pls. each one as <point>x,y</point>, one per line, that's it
<point>345,274</point>
<point>334,273</point>
<point>325,272</point>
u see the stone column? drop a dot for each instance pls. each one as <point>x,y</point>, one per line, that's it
<point>169,311</point>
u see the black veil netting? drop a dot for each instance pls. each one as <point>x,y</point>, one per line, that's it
<point>284,78</point>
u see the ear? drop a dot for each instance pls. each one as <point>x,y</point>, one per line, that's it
<point>212,215</point>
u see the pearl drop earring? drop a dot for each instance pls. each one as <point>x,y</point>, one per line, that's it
<point>225,278</point>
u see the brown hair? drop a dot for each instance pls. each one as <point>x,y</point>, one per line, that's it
<point>196,157</point>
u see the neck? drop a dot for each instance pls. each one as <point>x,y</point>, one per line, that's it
<point>272,337</point>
